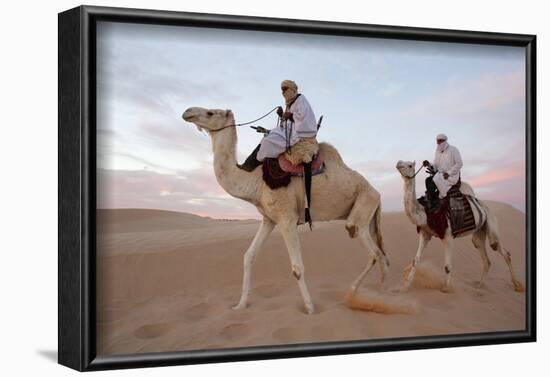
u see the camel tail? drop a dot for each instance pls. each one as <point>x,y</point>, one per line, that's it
<point>378,230</point>
<point>492,227</point>
<point>376,234</point>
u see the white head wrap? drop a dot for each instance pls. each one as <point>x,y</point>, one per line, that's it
<point>292,91</point>
<point>441,147</point>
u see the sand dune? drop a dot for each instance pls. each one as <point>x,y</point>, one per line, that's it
<point>167,281</point>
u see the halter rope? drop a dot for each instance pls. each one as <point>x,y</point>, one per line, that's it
<point>420,168</point>
<point>244,124</point>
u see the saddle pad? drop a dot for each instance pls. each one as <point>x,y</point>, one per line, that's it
<point>454,209</point>
<point>461,216</point>
<point>273,176</point>
<point>438,219</point>
<point>287,166</point>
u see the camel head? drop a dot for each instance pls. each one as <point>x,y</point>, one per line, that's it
<point>208,119</point>
<point>406,168</point>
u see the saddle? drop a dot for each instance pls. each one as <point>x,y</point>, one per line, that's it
<point>304,159</point>
<point>277,172</point>
<point>454,207</point>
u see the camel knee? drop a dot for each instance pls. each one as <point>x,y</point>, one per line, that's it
<point>248,260</point>
<point>508,257</point>
<point>447,269</point>
<point>297,271</point>
<point>352,230</point>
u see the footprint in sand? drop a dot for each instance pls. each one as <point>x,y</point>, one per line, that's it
<point>236,331</point>
<point>152,330</point>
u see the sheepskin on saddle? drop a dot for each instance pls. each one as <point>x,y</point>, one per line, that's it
<point>278,171</point>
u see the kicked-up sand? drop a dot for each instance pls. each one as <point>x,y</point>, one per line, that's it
<point>166,281</point>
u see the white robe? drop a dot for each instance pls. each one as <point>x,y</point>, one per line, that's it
<point>305,125</point>
<point>449,161</point>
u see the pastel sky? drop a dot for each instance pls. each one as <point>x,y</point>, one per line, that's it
<point>382,101</point>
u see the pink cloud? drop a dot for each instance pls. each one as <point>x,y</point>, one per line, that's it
<point>194,192</point>
<point>499,175</point>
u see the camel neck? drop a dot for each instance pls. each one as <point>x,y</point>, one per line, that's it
<point>413,210</point>
<point>235,181</point>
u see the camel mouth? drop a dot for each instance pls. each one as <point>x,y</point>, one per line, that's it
<point>191,114</point>
<point>188,117</point>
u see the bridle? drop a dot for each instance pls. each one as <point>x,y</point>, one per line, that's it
<point>244,124</point>
<point>418,171</point>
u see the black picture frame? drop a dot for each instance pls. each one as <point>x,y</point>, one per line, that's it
<point>77,186</point>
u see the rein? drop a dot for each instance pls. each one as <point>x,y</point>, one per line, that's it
<point>420,168</point>
<point>244,124</point>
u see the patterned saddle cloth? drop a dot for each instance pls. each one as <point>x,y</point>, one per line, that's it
<point>454,208</point>
<point>277,172</point>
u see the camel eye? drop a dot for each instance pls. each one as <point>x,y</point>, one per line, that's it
<point>209,113</point>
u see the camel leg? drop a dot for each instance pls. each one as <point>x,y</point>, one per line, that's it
<point>422,242</point>
<point>448,249</point>
<point>266,227</point>
<point>478,239</point>
<point>518,287</point>
<point>364,221</point>
<point>290,235</point>
<point>367,242</point>
<point>494,242</point>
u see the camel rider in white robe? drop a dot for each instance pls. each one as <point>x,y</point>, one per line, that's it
<point>298,121</point>
<point>446,168</point>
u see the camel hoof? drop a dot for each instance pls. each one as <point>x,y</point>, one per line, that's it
<point>518,287</point>
<point>403,289</point>
<point>239,306</point>
<point>310,309</point>
<point>446,289</point>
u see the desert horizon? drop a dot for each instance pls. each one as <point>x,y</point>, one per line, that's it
<point>166,281</point>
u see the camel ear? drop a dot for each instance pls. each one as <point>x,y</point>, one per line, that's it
<point>227,112</point>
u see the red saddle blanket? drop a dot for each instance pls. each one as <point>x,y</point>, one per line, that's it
<point>278,171</point>
<point>454,208</point>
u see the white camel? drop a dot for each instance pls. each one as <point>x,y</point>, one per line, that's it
<point>485,227</point>
<point>338,193</point>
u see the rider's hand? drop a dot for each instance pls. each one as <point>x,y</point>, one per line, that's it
<point>280,111</point>
<point>445,175</point>
<point>430,171</point>
<point>426,163</point>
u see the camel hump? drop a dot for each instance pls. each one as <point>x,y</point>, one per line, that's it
<point>330,153</point>
<point>466,189</point>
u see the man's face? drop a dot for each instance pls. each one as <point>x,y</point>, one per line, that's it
<point>284,89</point>
<point>439,141</point>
